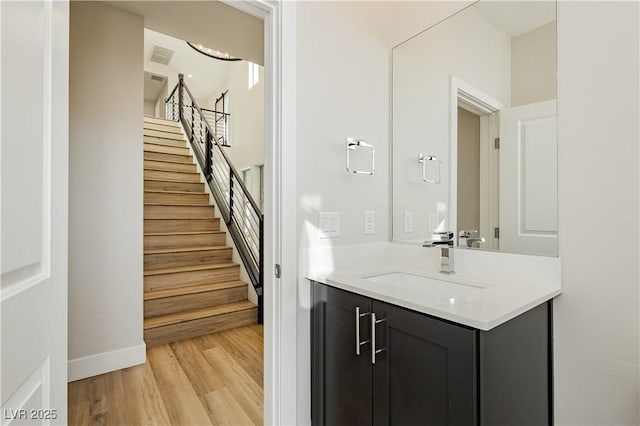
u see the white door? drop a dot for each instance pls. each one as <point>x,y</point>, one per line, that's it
<point>529,179</point>
<point>34,178</point>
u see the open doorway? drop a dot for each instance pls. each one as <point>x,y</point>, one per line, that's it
<point>475,165</point>
<point>228,367</point>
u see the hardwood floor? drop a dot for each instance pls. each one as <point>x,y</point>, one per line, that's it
<point>214,379</point>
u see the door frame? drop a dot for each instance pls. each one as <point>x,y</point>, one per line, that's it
<point>474,100</point>
<point>280,233</point>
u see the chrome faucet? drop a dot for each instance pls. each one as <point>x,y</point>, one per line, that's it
<point>444,241</point>
<point>467,239</point>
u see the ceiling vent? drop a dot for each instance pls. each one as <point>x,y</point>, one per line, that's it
<point>157,78</point>
<point>161,55</point>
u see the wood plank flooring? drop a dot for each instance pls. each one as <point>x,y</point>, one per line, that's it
<point>214,379</point>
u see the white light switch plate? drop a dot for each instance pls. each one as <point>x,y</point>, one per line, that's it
<point>329,225</point>
<point>408,221</point>
<point>369,222</point>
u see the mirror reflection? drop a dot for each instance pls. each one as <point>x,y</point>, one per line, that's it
<point>474,129</point>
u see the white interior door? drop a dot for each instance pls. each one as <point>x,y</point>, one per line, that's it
<point>529,179</point>
<point>34,178</point>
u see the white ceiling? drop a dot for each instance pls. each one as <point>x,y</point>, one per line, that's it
<point>518,17</point>
<point>207,74</point>
<point>210,23</point>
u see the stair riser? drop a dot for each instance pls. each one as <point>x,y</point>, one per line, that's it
<point>165,142</point>
<point>172,176</point>
<point>186,302</point>
<point>163,128</point>
<point>164,135</point>
<point>199,327</point>
<point>170,167</point>
<point>181,225</point>
<point>185,159</point>
<point>178,212</point>
<point>175,260</point>
<point>161,121</point>
<point>168,198</point>
<point>187,278</point>
<point>154,185</point>
<point>149,147</point>
<point>180,241</point>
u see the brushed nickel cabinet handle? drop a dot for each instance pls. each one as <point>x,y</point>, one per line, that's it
<point>375,351</point>
<point>358,342</point>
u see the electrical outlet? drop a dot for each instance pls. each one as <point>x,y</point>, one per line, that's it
<point>329,225</point>
<point>408,221</point>
<point>369,222</point>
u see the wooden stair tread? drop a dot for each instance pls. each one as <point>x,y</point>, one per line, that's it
<point>194,289</point>
<point>170,180</point>
<point>183,218</point>
<point>162,134</point>
<point>165,160</point>
<point>168,162</point>
<point>151,119</point>
<point>185,249</point>
<point>159,234</point>
<point>156,191</point>
<point>173,171</point>
<point>177,205</point>
<point>163,271</point>
<point>147,125</point>
<point>180,317</point>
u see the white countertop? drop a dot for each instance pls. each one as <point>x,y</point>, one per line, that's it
<point>487,289</point>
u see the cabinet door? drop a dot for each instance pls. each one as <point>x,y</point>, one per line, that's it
<point>341,379</point>
<point>426,373</point>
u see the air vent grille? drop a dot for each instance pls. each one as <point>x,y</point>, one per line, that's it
<point>157,78</point>
<point>161,55</point>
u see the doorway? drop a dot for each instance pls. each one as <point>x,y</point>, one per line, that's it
<point>474,163</point>
<point>272,163</point>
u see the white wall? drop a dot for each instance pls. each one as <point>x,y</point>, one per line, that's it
<point>422,69</point>
<point>246,123</point>
<point>343,79</point>
<point>160,69</point>
<point>149,107</point>
<point>105,189</point>
<point>533,66</point>
<point>159,107</point>
<point>410,18</point>
<point>597,318</point>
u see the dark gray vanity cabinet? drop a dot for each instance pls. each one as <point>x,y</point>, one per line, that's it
<point>425,371</point>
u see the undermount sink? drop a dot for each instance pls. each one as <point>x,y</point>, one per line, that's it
<point>404,278</point>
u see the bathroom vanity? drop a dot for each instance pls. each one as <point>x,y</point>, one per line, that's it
<point>400,344</point>
<point>424,370</point>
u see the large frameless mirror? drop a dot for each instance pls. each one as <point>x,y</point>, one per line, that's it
<point>474,129</point>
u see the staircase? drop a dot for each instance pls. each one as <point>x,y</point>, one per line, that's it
<point>191,285</point>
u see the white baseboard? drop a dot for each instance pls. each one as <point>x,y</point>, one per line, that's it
<point>92,365</point>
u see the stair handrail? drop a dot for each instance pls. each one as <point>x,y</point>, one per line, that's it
<point>224,154</point>
<point>255,272</point>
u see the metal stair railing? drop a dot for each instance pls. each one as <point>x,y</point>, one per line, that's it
<point>241,213</point>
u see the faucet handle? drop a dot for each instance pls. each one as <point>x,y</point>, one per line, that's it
<point>442,236</point>
<point>468,233</point>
